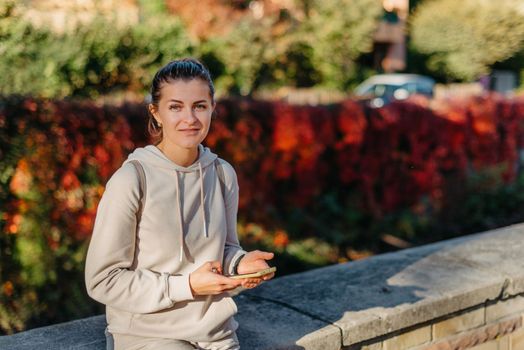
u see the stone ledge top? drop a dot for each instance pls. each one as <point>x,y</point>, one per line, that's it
<point>376,296</point>
<point>349,303</point>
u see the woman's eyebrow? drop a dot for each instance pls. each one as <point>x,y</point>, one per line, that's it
<point>182,102</point>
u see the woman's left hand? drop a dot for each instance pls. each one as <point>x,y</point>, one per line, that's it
<point>252,262</point>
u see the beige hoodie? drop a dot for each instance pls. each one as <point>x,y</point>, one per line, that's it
<point>142,275</point>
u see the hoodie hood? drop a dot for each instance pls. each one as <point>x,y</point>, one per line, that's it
<point>153,156</point>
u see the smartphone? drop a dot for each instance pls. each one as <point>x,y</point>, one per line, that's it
<point>254,274</point>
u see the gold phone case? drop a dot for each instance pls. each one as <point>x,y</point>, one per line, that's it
<point>254,274</point>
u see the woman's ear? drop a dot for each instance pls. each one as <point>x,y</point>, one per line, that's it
<point>153,110</point>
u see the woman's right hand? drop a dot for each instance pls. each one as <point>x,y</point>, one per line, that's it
<point>208,279</point>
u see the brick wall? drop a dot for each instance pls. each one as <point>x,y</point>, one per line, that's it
<point>492,326</point>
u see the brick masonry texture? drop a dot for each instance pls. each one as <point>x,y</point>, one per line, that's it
<point>409,339</point>
<point>491,333</point>
<point>466,321</point>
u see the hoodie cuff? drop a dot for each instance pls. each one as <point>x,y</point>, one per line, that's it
<point>179,289</point>
<point>233,261</point>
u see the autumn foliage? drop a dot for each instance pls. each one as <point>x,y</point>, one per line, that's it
<point>294,164</point>
<point>289,155</point>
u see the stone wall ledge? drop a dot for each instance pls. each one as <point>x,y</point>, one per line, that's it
<point>349,305</point>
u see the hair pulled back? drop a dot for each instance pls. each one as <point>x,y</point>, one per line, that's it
<point>185,69</point>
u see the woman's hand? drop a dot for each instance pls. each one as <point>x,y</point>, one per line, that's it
<point>252,262</point>
<point>208,279</point>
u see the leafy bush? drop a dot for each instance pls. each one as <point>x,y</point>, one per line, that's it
<point>23,50</point>
<point>321,46</point>
<point>56,157</point>
<point>338,33</point>
<point>464,38</point>
<point>318,47</point>
<point>244,51</point>
<point>95,59</point>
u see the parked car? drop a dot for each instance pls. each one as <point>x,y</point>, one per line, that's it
<point>382,89</point>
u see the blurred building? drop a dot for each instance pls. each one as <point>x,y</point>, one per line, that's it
<point>61,16</point>
<point>221,16</point>
<point>389,53</point>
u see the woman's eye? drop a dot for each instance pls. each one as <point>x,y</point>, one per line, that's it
<point>200,107</point>
<point>175,107</point>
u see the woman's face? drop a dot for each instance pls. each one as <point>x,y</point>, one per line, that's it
<point>184,111</point>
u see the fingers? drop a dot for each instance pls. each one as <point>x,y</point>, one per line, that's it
<point>250,285</point>
<point>258,254</point>
<point>251,282</point>
<point>268,277</point>
<point>208,279</point>
<point>218,284</point>
<point>254,261</point>
<point>226,281</point>
<point>213,266</point>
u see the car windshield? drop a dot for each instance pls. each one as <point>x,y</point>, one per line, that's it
<point>385,90</point>
<point>380,90</point>
<point>395,87</point>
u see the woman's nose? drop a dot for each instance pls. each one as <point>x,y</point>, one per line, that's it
<point>189,116</point>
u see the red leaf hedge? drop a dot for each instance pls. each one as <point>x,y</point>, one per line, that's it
<point>284,154</point>
<point>56,157</point>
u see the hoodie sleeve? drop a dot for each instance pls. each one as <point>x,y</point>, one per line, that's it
<point>109,276</point>
<point>233,251</point>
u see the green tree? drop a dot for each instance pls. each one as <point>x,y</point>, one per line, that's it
<point>338,33</point>
<point>244,51</point>
<point>24,51</point>
<point>317,44</point>
<point>156,41</point>
<point>96,58</point>
<point>465,38</point>
<point>149,8</point>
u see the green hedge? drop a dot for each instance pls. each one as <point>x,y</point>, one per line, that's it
<point>92,60</point>
<point>98,58</point>
<point>464,39</point>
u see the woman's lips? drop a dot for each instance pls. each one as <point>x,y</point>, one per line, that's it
<point>189,131</point>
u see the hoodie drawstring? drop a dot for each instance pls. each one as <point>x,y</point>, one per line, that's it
<point>202,206</point>
<point>180,214</point>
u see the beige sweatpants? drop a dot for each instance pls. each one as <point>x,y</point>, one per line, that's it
<point>131,342</point>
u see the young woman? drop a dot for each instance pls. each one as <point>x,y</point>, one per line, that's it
<point>162,273</point>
